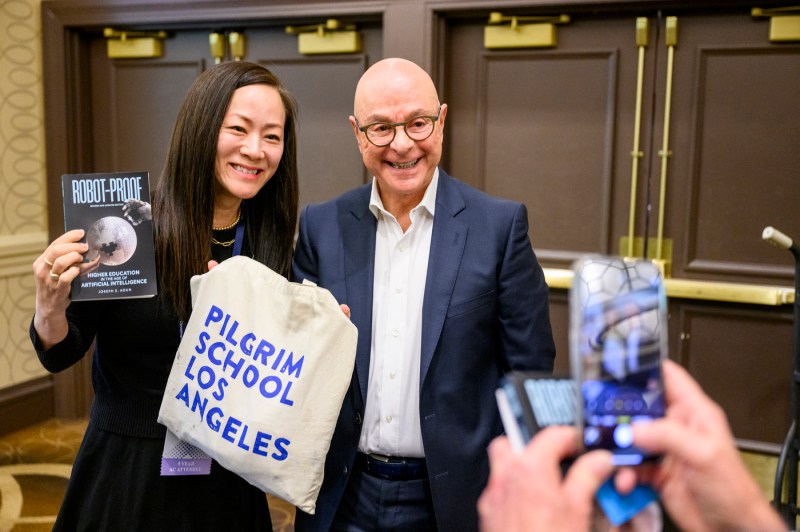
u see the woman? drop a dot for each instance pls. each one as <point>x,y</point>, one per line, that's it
<point>231,164</point>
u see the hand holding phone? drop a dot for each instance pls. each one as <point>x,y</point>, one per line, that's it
<point>529,401</point>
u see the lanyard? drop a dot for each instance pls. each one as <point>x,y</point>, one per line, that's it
<point>237,244</point>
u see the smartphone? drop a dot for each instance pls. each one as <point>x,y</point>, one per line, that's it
<point>529,401</point>
<point>618,339</point>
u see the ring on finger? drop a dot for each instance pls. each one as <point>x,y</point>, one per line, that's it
<point>54,276</point>
<point>47,262</point>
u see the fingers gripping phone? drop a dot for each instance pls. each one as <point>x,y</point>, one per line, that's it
<point>618,338</point>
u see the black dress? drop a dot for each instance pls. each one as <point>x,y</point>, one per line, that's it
<point>116,482</point>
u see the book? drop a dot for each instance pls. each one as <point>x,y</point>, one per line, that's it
<point>114,210</point>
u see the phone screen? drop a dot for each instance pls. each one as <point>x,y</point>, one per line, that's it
<point>617,341</point>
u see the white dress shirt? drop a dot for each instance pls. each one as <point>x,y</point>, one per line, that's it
<point>391,420</point>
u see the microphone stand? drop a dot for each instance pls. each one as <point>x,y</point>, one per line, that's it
<point>788,459</point>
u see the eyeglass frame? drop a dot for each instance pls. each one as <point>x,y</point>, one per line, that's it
<point>395,125</point>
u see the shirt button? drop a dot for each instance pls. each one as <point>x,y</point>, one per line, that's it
<point>395,333</point>
<point>388,419</point>
<point>392,374</point>
<point>398,290</point>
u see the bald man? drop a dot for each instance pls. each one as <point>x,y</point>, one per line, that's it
<point>447,295</point>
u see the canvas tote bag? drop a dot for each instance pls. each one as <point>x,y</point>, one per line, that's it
<point>260,376</point>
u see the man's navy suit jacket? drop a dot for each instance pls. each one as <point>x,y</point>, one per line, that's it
<point>485,312</point>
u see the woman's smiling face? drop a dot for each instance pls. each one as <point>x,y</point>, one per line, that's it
<point>250,142</point>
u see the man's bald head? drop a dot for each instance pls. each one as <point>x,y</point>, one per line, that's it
<point>394,79</point>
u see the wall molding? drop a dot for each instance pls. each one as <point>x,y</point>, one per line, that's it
<point>25,404</point>
<point>17,252</point>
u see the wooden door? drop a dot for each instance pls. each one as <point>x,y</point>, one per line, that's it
<point>554,128</point>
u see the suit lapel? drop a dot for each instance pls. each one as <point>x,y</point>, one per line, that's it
<point>358,235</point>
<point>447,249</point>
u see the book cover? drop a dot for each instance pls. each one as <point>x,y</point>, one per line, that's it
<point>114,210</point>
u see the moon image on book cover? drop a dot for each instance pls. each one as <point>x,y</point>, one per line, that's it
<point>113,239</point>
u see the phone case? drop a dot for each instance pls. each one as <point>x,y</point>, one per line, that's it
<point>529,401</point>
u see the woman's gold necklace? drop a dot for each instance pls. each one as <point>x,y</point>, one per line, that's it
<point>226,244</point>
<point>231,226</point>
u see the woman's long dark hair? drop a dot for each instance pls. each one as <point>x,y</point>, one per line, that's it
<point>183,202</point>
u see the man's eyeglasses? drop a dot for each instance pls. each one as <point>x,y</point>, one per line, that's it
<point>382,134</point>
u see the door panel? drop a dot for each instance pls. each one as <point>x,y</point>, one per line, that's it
<point>745,168</point>
<point>568,102</point>
<point>742,356</point>
<point>133,130</point>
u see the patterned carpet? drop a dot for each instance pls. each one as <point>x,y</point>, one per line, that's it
<point>35,464</point>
